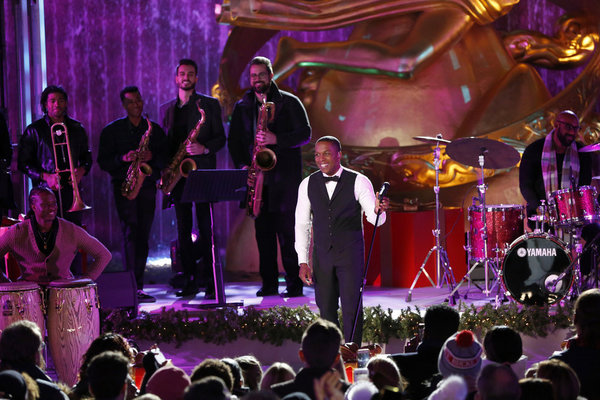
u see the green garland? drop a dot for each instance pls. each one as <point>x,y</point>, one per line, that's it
<point>277,324</point>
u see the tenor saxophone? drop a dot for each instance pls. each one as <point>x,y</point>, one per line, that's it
<point>180,165</point>
<point>138,170</point>
<point>263,159</point>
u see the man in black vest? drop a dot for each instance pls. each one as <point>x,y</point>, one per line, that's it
<point>332,202</point>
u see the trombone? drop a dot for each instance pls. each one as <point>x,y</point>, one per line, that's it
<point>56,132</point>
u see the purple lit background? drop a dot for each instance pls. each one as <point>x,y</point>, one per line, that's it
<point>95,48</point>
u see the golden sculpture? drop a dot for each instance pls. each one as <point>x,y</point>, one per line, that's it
<point>417,67</point>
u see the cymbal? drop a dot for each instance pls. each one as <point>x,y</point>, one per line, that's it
<point>431,139</point>
<point>496,154</point>
<point>590,148</point>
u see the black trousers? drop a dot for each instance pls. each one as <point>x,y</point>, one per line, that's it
<point>338,277</point>
<point>183,213</point>
<point>270,227</point>
<point>136,217</point>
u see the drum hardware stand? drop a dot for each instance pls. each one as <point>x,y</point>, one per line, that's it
<point>441,259</point>
<point>481,188</point>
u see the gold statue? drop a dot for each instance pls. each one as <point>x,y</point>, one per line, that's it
<point>416,67</point>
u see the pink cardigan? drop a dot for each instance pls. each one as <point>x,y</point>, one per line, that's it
<point>35,266</point>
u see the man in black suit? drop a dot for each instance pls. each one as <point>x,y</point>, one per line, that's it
<point>286,133</point>
<point>331,203</point>
<point>180,116</point>
<point>120,145</point>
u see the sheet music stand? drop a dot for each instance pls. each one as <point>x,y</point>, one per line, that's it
<point>213,186</point>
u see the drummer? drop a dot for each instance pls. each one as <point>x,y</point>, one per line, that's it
<point>44,245</point>
<point>554,163</point>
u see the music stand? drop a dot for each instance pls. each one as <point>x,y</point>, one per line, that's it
<point>213,186</point>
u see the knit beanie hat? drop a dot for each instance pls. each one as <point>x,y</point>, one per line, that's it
<point>460,355</point>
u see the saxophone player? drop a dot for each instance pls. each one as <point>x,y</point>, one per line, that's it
<point>286,132</point>
<point>180,117</point>
<point>123,142</point>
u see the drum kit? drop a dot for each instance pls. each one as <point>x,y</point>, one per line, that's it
<point>532,268</point>
<point>67,309</point>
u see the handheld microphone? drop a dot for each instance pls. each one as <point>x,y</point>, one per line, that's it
<point>383,191</point>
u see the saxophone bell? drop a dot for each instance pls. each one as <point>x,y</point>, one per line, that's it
<point>266,159</point>
<point>188,165</point>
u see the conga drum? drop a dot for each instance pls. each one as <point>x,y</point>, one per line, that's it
<point>73,323</point>
<point>19,301</point>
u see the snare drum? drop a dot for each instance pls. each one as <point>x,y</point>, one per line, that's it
<point>504,224</point>
<point>73,323</point>
<point>573,207</point>
<point>19,301</point>
<point>531,268</point>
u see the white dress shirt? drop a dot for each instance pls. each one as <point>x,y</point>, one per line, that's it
<point>363,193</point>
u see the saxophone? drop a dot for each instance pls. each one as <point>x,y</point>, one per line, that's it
<point>181,166</point>
<point>138,170</point>
<point>263,159</point>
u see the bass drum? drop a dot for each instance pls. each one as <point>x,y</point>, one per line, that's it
<point>532,266</point>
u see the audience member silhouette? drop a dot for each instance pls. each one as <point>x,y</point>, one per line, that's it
<point>440,322</point>
<point>107,376</point>
<point>320,352</point>
<point>498,382</point>
<point>277,373</point>
<point>105,342</point>
<point>536,389</point>
<point>251,371</point>
<point>582,352</point>
<point>21,346</point>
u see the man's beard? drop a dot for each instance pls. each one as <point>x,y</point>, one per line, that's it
<point>263,88</point>
<point>565,140</point>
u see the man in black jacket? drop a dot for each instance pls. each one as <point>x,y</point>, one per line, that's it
<point>179,117</point>
<point>120,145</point>
<point>36,155</point>
<point>285,134</point>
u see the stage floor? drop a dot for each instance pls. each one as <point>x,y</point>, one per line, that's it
<point>245,292</point>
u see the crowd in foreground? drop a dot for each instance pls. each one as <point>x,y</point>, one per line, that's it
<point>447,364</point>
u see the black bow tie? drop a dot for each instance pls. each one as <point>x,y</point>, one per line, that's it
<point>331,178</point>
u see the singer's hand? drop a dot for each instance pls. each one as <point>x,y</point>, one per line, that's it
<point>306,274</point>
<point>381,205</point>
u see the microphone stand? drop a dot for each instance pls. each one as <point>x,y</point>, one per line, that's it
<point>382,193</point>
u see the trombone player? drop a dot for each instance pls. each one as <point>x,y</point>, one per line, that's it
<point>36,153</point>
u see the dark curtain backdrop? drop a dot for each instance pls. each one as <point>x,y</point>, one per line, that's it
<point>95,48</point>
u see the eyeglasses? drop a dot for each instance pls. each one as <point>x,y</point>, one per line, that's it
<point>568,126</point>
<point>262,75</point>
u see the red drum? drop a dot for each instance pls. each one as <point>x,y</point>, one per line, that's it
<point>573,207</point>
<point>504,224</point>
<point>531,269</point>
<point>19,301</point>
<point>73,323</point>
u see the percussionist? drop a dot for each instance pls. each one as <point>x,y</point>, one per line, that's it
<point>44,245</point>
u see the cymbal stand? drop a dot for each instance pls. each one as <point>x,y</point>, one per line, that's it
<point>441,258</point>
<point>481,188</point>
